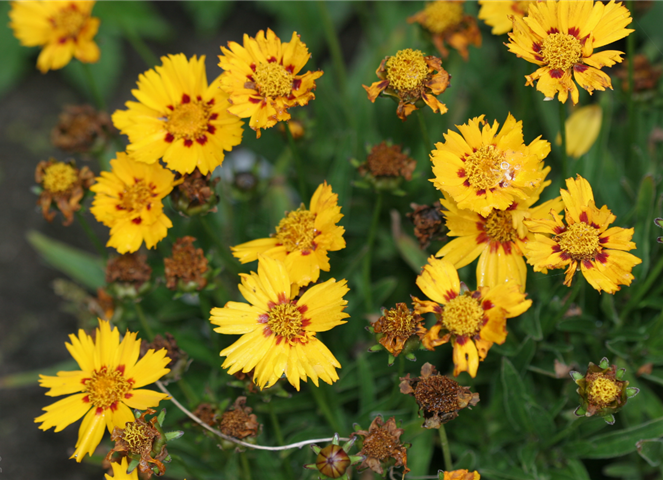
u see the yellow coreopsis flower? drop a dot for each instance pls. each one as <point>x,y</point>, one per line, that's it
<point>446,21</point>
<point>106,387</point>
<point>412,78</point>
<point>483,170</point>
<point>582,130</point>
<point>461,475</point>
<point>583,241</point>
<point>179,117</point>
<point>120,471</point>
<point>64,29</point>
<point>262,78</point>
<point>128,200</point>
<point>302,238</point>
<point>498,239</point>
<point>498,13</point>
<point>472,321</point>
<point>278,329</point>
<point>561,36</point>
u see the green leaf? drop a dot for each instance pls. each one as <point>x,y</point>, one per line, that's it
<point>577,325</point>
<point>422,444</point>
<point>383,288</point>
<point>81,266</point>
<point>644,212</point>
<point>207,16</point>
<point>617,443</point>
<point>621,470</point>
<point>515,397</point>
<point>407,246</point>
<point>15,57</point>
<point>651,451</point>
<point>139,17</point>
<point>577,469</point>
<point>510,473</point>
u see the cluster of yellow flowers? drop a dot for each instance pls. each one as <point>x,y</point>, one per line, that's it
<point>490,179</point>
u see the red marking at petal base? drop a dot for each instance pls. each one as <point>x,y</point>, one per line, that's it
<point>462,340</point>
<point>214,116</point>
<point>211,102</point>
<point>302,308</point>
<point>270,304</point>
<point>594,225</point>
<point>119,207</point>
<point>202,139</point>
<point>536,47</point>
<point>556,248</point>
<point>199,98</point>
<point>185,98</point>
<point>559,230</point>
<point>271,59</point>
<point>128,395</point>
<point>113,406</point>
<point>170,107</point>
<point>512,206</point>
<point>466,183</point>
<point>538,58</point>
<point>290,69</point>
<point>461,173</point>
<point>575,31</point>
<point>494,246</point>
<point>482,238</point>
<point>587,264</point>
<point>86,399</point>
<point>556,73</point>
<point>263,318</point>
<point>253,67</point>
<point>487,305</point>
<point>306,322</point>
<point>279,339</point>
<point>296,83</point>
<point>188,142</point>
<point>267,331</point>
<point>282,298</point>
<point>507,246</point>
<point>583,217</point>
<point>169,138</point>
<point>305,252</point>
<point>565,256</point>
<point>601,257</point>
<point>476,294</point>
<point>120,368</point>
<point>484,321</point>
<point>481,192</point>
<point>604,239</point>
<point>211,129</point>
<point>99,411</point>
<point>255,100</point>
<point>580,68</point>
<point>449,295</point>
<point>137,220</point>
<point>553,30</point>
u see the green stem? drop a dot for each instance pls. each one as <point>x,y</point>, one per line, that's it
<point>91,235</point>
<point>424,131</point>
<point>141,47</point>
<point>245,466</point>
<point>94,90</point>
<point>445,449</point>
<point>575,289</point>
<point>644,288</point>
<point>301,177</point>
<point>564,433</point>
<point>190,394</point>
<point>231,264</point>
<point>368,293</point>
<point>562,127</point>
<point>143,321</point>
<point>321,401</point>
<point>334,46</point>
<point>279,436</point>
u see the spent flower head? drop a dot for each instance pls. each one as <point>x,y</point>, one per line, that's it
<point>187,269</point>
<point>62,185</point>
<point>196,194</point>
<point>386,167</point>
<point>382,447</point>
<point>399,330</point>
<point>82,129</point>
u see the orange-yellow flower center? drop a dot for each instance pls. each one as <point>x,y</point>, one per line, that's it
<point>273,80</point>
<point>561,51</point>
<point>580,241</point>
<point>69,20</point>
<point>59,177</point>
<point>462,315</point>
<point>136,197</point>
<point>407,70</point>
<point>439,16</point>
<point>603,391</point>
<point>285,320</point>
<point>486,167</point>
<point>499,226</point>
<point>398,321</point>
<point>138,438</point>
<point>106,388</point>
<point>189,120</point>
<point>297,231</point>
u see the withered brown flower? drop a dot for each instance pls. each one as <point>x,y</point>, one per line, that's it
<point>427,220</point>
<point>63,185</point>
<point>238,421</point>
<point>187,267</point>
<point>195,194</point>
<point>645,75</point>
<point>140,440</point>
<point>386,160</point>
<point>445,21</point>
<point>81,128</point>
<point>382,442</point>
<point>409,77</point>
<point>440,397</point>
<point>173,351</point>
<point>128,274</point>
<point>207,413</point>
<point>396,326</point>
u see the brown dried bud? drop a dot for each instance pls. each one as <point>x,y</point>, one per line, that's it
<point>207,413</point>
<point>388,161</point>
<point>427,220</point>
<point>382,443</point>
<point>332,461</point>
<point>64,186</point>
<point>186,268</point>
<point>440,397</point>
<point>128,275</point>
<point>195,195</point>
<point>238,421</point>
<point>81,128</point>
<point>169,343</point>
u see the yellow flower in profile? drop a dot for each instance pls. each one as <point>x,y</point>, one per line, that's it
<point>583,241</point>
<point>302,238</point>
<point>128,200</point>
<point>179,117</point>
<point>278,329</point>
<point>472,321</point>
<point>498,239</point>
<point>498,13</point>
<point>582,130</point>
<point>120,471</point>
<point>106,387</point>
<point>560,37</point>
<point>64,29</point>
<point>483,170</point>
<point>262,78</point>
<point>409,78</point>
<point>462,474</point>
<point>446,21</point>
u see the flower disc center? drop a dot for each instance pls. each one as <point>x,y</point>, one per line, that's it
<point>59,177</point>
<point>399,321</point>
<point>273,80</point>
<point>69,20</point>
<point>379,444</point>
<point>437,393</point>
<point>561,51</point>
<point>486,167</point>
<point>580,241</point>
<point>285,320</point>
<point>138,438</point>
<point>462,315</point>
<point>106,388</point>
<point>188,120</point>
<point>499,226</point>
<point>136,197</point>
<point>407,70</point>
<point>297,230</point>
<point>603,391</point>
<point>439,16</point>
